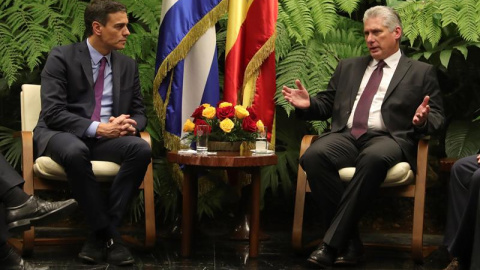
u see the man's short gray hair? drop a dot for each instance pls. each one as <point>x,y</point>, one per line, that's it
<point>391,19</point>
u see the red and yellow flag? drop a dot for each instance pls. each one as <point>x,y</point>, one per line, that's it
<point>250,57</point>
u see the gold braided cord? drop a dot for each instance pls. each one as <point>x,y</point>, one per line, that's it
<point>172,142</point>
<point>253,67</point>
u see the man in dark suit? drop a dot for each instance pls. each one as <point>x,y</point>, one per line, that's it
<point>92,109</point>
<point>21,212</point>
<point>463,194</point>
<point>379,105</point>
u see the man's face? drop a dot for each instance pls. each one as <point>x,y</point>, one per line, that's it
<point>380,41</point>
<point>114,33</point>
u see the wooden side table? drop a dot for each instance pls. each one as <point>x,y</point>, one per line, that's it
<point>248,162</point>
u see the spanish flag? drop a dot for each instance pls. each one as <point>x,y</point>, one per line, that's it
<point>250,57</point>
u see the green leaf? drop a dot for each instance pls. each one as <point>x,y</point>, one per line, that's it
<point>462,138</point>
<point>445,57</point>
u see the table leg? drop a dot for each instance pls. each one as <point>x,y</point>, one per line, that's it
<point>188,210</point>
<point>255,213</point>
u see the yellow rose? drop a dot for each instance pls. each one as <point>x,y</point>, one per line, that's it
<point>241,112</point>
<point>260,125</point>
<point>206,105</point>
<point>189,126</point>
<point>224,104</point>
<point>209,112</point>
<point>227,125</point>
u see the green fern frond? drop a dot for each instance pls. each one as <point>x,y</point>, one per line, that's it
<point>408,11</point>
<point>348,5</point>
<point>298,19</point>
<point>11,58</point>
<point>292,67</point>
<point>10,146</point>
<point>449,12</point>
<point>324,15</point>
<point>434,28</point>
<point>147,12</point>
<point>73,11</point>
<point>282,44</point>
<point>467,25</point>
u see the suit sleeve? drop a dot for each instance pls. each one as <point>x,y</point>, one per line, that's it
<point>137,108</point>
<point>54,97</point>
<point>436,116</point>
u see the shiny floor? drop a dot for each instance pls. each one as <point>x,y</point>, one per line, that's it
<point>216,251</point>
<point>213,249</point>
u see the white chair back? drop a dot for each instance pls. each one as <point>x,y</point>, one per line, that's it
<point>30,106</point>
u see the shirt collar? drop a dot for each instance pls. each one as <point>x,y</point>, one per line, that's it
<point>391,61</point>
<point>96,56</point>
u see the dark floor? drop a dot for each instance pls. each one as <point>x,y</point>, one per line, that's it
<point>212,249</point>
<point>216,251</point>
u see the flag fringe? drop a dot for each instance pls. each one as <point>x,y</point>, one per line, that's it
<point>252,70</point>
<point>172,142</point>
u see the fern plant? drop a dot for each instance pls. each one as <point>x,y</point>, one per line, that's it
<point>437,28</point>
<point>29,29</point>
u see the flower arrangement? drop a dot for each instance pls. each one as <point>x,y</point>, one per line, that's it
<point>228,123</point>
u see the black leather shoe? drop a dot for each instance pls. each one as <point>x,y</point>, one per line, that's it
<point>35,212</point>
<point>118,253</point>
<point>93,250</point>
<point>352,254</point>
<point>323,256</point>
<point>13,261</point>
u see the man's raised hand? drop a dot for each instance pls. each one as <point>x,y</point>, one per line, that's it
<point>299,98</point>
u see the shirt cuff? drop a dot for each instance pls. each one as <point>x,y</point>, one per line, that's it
<point>91,131</point>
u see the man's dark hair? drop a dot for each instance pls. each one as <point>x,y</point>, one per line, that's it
<point>98,10</point>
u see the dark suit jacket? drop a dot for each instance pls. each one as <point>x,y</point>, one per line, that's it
<point>411,82</point>
<point>68,97</point>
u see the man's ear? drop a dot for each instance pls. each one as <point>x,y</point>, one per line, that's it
<point>97,28</point>
<point>398,32</point>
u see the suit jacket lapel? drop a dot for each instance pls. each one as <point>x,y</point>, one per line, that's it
<point>115,84</point>
<point>86,63</point>
<point>357,77</point>
<point>403,66</point>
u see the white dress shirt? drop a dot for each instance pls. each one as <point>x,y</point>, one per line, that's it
<point>375,120</point>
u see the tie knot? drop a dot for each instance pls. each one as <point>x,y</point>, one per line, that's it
<point>381,64</point>
<point>104,60</point>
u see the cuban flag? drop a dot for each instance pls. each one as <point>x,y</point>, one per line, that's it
<point>186,71</point>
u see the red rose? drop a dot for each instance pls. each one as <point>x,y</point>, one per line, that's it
<point>197,114</point>
<point>248,124</point>
<point>200,122</point>
<point>225,112</point>
<point>253,115</point>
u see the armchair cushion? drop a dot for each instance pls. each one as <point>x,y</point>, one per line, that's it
<point>398,175</point>
<point>45,167</point>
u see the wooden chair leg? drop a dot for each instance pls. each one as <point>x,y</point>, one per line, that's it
<point>419,201</point>
<point>149,202</point>
<point>28,241</point>
<point>297,230</point>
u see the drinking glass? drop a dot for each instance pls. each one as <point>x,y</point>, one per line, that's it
<point>202,139</point>
<point>261,141</point>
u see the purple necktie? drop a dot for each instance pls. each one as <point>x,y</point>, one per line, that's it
<point>98,87</point>
<point>360,118</point>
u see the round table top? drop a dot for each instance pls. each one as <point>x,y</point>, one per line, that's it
<point>223,159</point>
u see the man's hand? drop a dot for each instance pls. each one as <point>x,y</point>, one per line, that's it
<point>422,112</point>
<point>299,98</point>
<point>117,127</point>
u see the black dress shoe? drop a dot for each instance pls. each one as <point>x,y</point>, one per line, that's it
<point>13,261</point>
<point>352,254</point>
<point>323,256</point>
<point>93,250</point>
<point>35,212</point>
<point>118,253</point>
